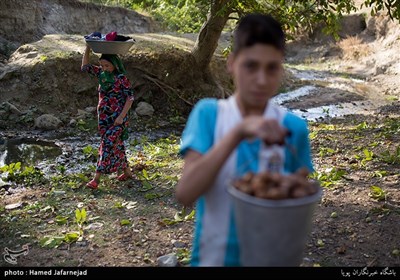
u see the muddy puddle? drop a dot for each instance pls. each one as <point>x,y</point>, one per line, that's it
<point>28,151</point>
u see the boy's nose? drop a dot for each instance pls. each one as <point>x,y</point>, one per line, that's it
<point>261,78</point>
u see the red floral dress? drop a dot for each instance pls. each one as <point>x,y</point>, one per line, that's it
<point>112,157</point>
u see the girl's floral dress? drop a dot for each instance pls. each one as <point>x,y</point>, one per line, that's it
<point>112,157</point>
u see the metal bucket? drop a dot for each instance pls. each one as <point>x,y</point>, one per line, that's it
<point>272,232</point>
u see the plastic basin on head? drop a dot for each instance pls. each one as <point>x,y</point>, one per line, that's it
<point>272,232</point>
<point>110,47</point>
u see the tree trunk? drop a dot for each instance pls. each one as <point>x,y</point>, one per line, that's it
<point>207,40</point>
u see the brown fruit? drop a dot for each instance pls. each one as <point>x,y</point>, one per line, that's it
<point>248,177</point>
<point>257,183</point>
<point>276,186</point>
<point>276,179</point>
<point>285,186</point>
<point>271,193</point>
<point>303,172</point>
<point>246,188</point>
<point>311,188</point>
<point>298,192</point>
<point>265,176</point>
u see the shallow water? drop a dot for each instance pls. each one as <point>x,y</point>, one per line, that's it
<point>28,151</point>
<point>68,152</point>
<point>323,84</point>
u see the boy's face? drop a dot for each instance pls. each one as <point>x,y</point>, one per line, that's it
<point>257,72</point>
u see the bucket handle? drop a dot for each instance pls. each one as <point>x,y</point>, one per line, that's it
<point>292,149</point>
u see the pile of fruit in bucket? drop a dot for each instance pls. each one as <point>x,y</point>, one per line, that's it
<point>273,185</point>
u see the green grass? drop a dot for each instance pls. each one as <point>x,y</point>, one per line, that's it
<point>52,213</point>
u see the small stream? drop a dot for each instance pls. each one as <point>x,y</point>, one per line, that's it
<point>323,95</point>
<point>68,151</point>
<point>328,95</point>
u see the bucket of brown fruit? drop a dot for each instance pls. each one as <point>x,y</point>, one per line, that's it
<point>273,215</point>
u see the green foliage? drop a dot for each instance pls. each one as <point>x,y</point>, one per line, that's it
<point>55,241</point>
<point>323,126</point>
<point>61,220</point>
<point>12,169</point>
<point>392,7</point>
<point>151,196</point>
<point>180,216</point>
<point>391,158</point>
<point>226,51</point>
<point>367,156</point>
<point>82,125</point>
<point>381,210</point>
<point>326,152</point>
<point>118,205</point>
<point>148,177</point>
<point>51,241</point>
<point>43,58</point>
<point>90,152</point>
<point>377,193</point>
<point>88,125</point>
<point>162,148</point>
<point>296,16</point>
<point>328,178</point>
<point>184,16</point>
<point>391,127</point>
<point>362,126</point>
<point>125,222</point>
<point>183,255</point>
<point>313,135</point>
<point>29,175</point>
<point>181,16</point>
<point>61,169</point>
<point>80,218</point>
<point>71,237</point>
<point>380,173</point>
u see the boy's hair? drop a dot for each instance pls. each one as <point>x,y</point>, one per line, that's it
<point>258,28</point>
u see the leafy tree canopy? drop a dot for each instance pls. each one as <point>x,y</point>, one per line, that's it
<point>295,15</point>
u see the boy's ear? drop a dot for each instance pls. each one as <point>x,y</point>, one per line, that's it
<point>229,63</point>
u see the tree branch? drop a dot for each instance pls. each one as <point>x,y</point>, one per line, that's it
<point>161,85</point>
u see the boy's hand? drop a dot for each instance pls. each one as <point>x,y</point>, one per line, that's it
<point>270,131</point>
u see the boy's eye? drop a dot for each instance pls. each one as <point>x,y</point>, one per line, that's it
<point>250,65</point>
<point>272,68</point>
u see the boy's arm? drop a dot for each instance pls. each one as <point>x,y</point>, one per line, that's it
<point>200,171</point>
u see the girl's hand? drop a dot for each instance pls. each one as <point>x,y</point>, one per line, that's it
<point>270,131</point>
<point>119,120</point>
